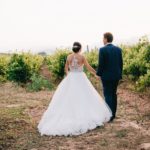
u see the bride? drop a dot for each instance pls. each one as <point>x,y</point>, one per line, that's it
<point>76,106</point>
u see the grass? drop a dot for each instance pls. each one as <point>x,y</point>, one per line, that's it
<point>13,123</point>
<point>104,142</point>
<point>121,133</point>
<point>20,112</point>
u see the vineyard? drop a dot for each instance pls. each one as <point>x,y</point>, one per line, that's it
<point>25,68</point>
<point>28,82</point>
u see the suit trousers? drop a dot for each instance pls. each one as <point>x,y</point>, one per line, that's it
<point>110,94</point>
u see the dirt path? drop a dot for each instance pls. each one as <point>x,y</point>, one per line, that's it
<point>21,111</point>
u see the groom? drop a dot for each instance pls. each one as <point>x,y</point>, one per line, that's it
<point>110,70</point>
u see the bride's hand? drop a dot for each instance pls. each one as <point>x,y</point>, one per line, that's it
<point>97,77</point>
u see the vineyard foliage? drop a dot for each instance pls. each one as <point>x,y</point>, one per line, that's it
<point>137,63</point>
<point>56,63</point>
<point>4,60</point>
<point>38,82</point>
<point>25,67</point>
<point>22,66</point>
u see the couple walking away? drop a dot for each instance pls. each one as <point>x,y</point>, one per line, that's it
<point>76,106</point>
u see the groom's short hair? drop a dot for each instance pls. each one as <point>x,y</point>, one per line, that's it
<point>108,36</point>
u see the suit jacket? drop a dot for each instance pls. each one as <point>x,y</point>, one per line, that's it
<point>110,63</point>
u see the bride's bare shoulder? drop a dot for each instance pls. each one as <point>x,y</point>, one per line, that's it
<point>69,56</point>
<point>82,56</point>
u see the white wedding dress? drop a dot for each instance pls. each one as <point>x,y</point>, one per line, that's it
<point>76,106</point>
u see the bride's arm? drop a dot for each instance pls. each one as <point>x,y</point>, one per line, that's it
<point>87,65</point>
<point>66,66</point>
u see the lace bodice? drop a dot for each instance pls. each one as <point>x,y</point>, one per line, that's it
<point>74,66</point>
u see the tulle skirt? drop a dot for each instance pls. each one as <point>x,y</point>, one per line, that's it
<point>75,108</point>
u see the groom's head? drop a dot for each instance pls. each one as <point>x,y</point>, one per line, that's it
<point>107,38</point>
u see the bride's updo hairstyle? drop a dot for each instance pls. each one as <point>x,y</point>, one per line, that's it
<point>76,47</point>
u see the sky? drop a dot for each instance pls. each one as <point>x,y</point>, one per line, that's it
<point>45,24</point>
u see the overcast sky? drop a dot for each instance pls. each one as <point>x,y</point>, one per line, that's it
<point>43,24</point>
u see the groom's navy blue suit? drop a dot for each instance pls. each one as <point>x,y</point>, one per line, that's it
<point>110,70</point>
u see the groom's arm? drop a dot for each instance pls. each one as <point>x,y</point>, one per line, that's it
<point>100,63</point>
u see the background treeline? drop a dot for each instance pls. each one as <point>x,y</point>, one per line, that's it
<point>27,69</point>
